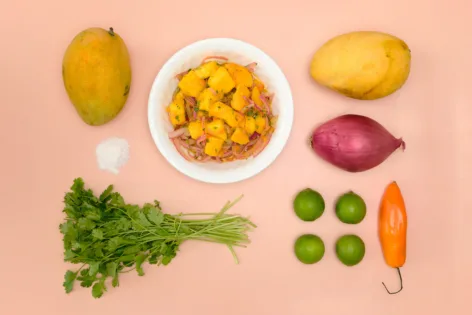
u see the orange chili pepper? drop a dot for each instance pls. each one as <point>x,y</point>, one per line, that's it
<point>392,229</point>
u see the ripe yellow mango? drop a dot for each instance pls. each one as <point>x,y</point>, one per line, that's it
<point>363,65</point>
<point>96,71</point>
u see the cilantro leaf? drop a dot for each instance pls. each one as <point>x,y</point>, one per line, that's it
<point>70,211</point>
<point>111,269</point>
<point>99,252</point>
<point>106,193</point>
<point>97,290</point>
<point>94,268</point>
<point>93,214</point>
<point>97,234</point>
<point>154,259</point>
<point>143,220</point>
<point>66,227</point>
<point>132,211</point>
<point>132,249</point>
<point>117,200</point>
<point>166,260</point>
<point>78,185</point>
<point>123,225</point>
<point>86,281</point>
<point>68,255</point>
<point>139,261</point>
<point>155,216</point>
<point>163,248</point>
<point>114,243</point>
<point>127,258</point>
<point>69,279</point>
<point>86,224</point>
<point>115,282</point>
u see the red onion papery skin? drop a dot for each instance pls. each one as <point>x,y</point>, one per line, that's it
<point>354,143</point>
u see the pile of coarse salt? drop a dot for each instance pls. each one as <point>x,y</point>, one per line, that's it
<point>112,154</point>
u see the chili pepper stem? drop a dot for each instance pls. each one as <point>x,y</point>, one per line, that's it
<point>401,283</point>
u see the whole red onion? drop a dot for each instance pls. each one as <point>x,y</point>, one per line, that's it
<point>354,143</point>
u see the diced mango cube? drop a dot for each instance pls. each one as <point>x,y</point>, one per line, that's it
<point>234,119</point>
<point>240,136</point>
<point>258,83</point>
<point>206,98</point>
<point>219,110</point>
<point>213,146</point>
<point>240,74</point>
<point>256,96</point>
<point>176,114</point>
<point>223,111</point>
<point>221,81</point>
<point>195,129</point>
<point>260,124</point>
<point>179,98</point>
<point>238,102</point>
<point>216,128</point>
<point>250,125</point>
<point>207,69</point>
<point>191,84</point>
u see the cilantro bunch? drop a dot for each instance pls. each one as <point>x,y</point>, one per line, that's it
<point>109,237</point>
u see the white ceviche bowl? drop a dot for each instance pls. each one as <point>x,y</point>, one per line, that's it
<point>239,52</point>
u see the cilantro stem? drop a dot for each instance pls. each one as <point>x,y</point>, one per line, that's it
<point>236,260</point>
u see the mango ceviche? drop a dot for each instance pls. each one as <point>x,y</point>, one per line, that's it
<point>221,112</point>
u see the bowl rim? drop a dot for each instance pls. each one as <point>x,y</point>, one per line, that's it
<point>237,176</point>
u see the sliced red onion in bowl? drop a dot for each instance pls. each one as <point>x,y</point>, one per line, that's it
<point>265,101</point>
<point>264,143</point>
<point>179,76</point>
<point>214,57</point>
<point>251,67</point>
<point>177,133</point>
<point>203,122</point>
<point>190,100</point>
<point>188,110</point>
<point>178,145</point>
<point>254,136</point>
<point>201,139</point>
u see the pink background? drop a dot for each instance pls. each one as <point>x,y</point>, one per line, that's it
<point>45,145</point>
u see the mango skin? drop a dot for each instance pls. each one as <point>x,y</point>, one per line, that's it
<point>363,65</point>
<point>96,71</point>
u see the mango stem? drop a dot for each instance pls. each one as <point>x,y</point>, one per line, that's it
<point>111,32</point>
<point>401,283</point>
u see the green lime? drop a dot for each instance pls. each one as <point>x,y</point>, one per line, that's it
<point>309,249</point>
<point>309,205</point>
<point>350,208</point>
<point>350,249</point>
